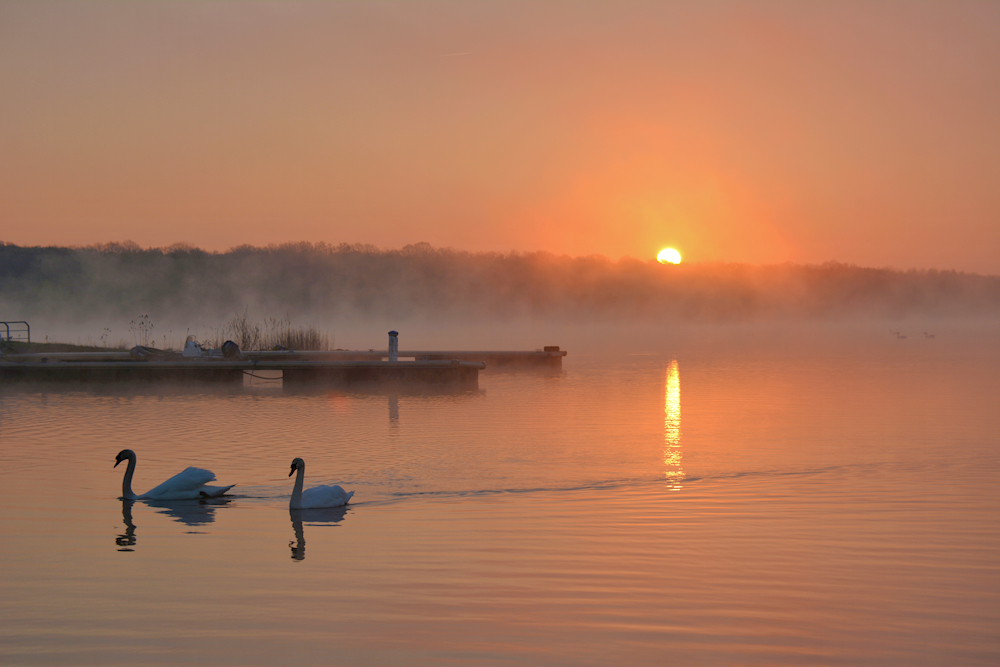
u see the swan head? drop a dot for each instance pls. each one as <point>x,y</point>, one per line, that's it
<point>124,455</point>
<point>297,464</point>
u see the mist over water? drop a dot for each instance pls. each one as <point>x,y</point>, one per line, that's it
<point>445,297</point>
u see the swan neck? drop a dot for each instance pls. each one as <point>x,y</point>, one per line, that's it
<point>127,481</point>
<point>300,478</point>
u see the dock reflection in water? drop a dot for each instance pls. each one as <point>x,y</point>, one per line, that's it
<point>394,410</point>
<point>329,515</point>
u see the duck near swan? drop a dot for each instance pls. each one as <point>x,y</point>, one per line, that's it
<point>185,485</point>
<point>316,497</point>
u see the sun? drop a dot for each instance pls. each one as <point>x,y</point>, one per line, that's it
<point>669,256</point>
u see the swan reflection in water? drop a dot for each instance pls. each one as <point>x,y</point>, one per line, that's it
<point>126,540</point>
<point>326,515</point>
<point>189,512</point>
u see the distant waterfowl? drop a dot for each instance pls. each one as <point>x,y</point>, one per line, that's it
<point>316,497</point>
<point>190,483</point>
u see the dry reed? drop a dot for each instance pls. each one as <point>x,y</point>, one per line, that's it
<point>269,334</point>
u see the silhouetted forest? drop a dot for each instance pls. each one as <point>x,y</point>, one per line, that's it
<point>304,280</point>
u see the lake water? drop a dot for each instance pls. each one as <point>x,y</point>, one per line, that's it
<point>677,508</point>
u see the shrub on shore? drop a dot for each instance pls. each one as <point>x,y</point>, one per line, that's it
<point>268,334</point>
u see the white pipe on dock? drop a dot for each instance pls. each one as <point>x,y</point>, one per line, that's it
<point>393,346</point>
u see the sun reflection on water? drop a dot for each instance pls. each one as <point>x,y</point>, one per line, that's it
<point>672,427</point>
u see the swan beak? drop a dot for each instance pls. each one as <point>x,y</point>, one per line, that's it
<point>290,472</point>
<point>117,461</point>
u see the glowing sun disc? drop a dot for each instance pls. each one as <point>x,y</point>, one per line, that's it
<point>669,256</point>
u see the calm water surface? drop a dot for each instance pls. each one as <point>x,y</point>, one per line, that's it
<point>649,509</point>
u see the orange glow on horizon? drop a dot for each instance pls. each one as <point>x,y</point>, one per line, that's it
<point>750,135</point>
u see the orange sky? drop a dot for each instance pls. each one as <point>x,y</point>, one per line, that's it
<point>862,132</point>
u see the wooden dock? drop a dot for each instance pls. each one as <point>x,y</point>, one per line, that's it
<point>305,368</point>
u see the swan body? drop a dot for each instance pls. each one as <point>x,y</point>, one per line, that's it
<point>187,484</point>
<point>316,497</point>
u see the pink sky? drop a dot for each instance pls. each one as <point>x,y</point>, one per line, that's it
<point>861,132</point>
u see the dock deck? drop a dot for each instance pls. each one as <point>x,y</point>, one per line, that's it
<point>329,367</point>
<point>545,358</point>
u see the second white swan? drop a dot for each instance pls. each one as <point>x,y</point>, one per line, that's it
<point>316,497</point>
<point>189,483</point>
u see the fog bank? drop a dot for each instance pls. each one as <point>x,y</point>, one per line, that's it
<point>347,289</point>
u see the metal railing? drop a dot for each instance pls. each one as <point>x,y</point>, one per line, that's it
<point>20,333</point>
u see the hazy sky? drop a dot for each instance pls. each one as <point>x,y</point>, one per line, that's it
<point>862,132</point>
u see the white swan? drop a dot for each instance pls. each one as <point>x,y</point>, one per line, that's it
<point>316,497</point>
<point>184,485</point>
